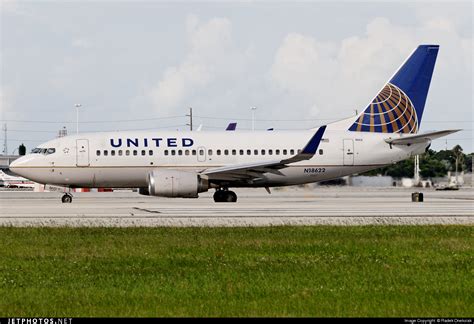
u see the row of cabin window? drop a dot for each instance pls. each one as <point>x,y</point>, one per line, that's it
<point>121,152</point>
<point>231,152</point>
<point>201,152</point>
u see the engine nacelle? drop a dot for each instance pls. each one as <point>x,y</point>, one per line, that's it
<point>174,183</point>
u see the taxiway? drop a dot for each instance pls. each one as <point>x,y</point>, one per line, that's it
<point>292,206</point>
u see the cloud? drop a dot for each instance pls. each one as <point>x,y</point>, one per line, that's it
<point>81,43</point>
<point>6,99</point>
<point>327,77</point>
<point>15,8</point>
<point>212,57</point>
<point>9,6</point>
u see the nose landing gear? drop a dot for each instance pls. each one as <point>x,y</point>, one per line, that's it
<point>66,198</point>
<point>225,195</point>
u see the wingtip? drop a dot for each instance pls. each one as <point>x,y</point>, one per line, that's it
<point>313,143</point>
<point>452,131</point>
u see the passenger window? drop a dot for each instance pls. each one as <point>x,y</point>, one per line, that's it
<point>127,152</point>
<point>241,152</point>
<point>321,152</point>
<point>193,152</point>
<point>234,152</point>
<point>285,152</point>
<point>135,152</point>
<point>106,153</point>
<point>143,152</point>
<point>218,152</point>
<point>173,152</point>
<point>249,152</point>
<point>201,152</point>
<point>166,152</point>
<point>120,152</point>
<point>180,152</point>
<point>186,152</point>
<point>226,152</point>
<point>277,152</point>
<point>270,152</point>
<point>97,153</point>
<point>255,152</point>
<point>263,152</point>
<point>299,151</point>
<point>51,151</point>
<point>209,152</point>
<point>292,152</point>
<point>112,152</point>
<point>150,152</point>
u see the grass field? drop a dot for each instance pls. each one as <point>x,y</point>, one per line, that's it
<point>416,271</point>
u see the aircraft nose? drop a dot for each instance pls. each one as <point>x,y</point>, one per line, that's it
<point>17,165</point>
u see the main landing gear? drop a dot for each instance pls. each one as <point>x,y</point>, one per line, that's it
<point>225,195</point>
<point>66,198</point>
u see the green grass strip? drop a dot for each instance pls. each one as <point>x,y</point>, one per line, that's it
<point>386,271</point>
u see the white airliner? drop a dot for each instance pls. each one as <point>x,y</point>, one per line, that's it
<point>183,164</point>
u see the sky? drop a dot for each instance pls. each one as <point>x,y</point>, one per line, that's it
<point>141,65</point>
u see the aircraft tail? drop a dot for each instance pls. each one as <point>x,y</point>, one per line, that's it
<point>399,106</point>
<point>231,127</point>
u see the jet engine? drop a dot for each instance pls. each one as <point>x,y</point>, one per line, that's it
<point>174,183</point>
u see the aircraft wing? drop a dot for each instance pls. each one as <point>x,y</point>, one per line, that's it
<point>418,138</point>
<point>249,171</point>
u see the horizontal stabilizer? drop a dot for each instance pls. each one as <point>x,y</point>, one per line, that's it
<point>418,138</point>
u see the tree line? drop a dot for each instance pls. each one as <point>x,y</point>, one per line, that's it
<point>432,164</point>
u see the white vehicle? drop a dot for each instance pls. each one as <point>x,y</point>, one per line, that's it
<point>183,164</point>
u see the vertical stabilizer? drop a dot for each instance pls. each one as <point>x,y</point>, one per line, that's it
<point>398,107</point>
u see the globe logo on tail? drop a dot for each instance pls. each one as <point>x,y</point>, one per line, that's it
<point>391,111</point>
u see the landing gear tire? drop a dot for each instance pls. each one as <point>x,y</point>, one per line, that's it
<point>225,196</point>
<point>66,199</point>
<point>231,196</point>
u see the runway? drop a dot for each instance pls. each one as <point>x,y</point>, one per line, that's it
<point>290,206</point>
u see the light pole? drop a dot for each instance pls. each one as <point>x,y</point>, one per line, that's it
<point>77,117</point>
<point>253,117</point>
<point>190,119</point>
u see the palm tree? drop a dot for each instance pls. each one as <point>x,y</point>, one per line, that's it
<point>458,153</point>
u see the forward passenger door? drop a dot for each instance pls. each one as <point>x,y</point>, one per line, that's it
<point>82,153</point>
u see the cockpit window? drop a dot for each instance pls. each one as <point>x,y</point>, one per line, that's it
<point>46,151</point>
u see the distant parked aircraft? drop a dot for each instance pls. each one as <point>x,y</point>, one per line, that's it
<point>231,127</point>
<point>10,181</point>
